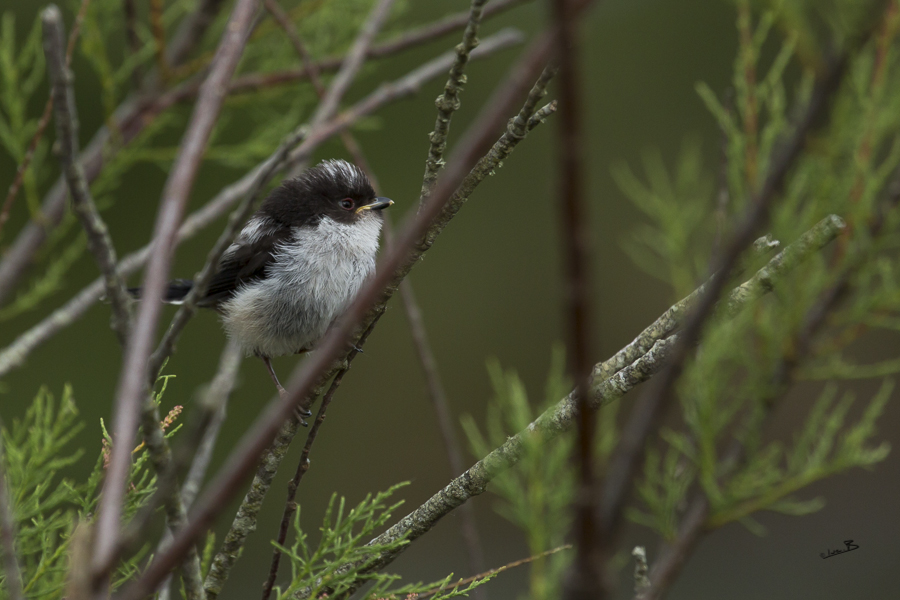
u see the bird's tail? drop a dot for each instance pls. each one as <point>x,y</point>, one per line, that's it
<point>174,293</point>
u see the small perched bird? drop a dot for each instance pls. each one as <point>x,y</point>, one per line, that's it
<point>297,264</point>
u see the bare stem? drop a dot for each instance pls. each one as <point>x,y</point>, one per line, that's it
<point>99,241</point>
<point>448,102</point>
<point>132,387</point>
<point>584,579</point>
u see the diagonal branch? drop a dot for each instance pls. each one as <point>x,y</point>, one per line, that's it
<point>132,389</point>
<point>392,268</point>
<point>245,520</point>
<point>99,241</point>
<point>563,416</point>
<point>649,408</point>
<point>345,76</point>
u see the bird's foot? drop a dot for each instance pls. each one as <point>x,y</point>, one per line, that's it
<point>301,414</point>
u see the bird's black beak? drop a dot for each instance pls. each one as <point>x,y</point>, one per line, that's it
<point>379,203</point>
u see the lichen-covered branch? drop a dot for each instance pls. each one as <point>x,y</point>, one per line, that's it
<point>448,102</point>
<point>99,241</point>
<point>561,417</point>
<point>763,281</point>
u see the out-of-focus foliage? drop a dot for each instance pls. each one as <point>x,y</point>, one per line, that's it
<point>47,506</point>
<point>536,494</point>
<point>747,364</point>
<point>344,537</point>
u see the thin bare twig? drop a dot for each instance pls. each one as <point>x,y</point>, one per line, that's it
<point>394,264</point>
<point>439,402</point>
<point>11,570</point>
<point>584,579</point>
<point>448,102</point>
<point>99,241</point>
<point>15,354</point>
<point>16,184</point>
<point>132,384</point>
<point>506,567</point>
<point>290,506</point>
<point>345,76</point>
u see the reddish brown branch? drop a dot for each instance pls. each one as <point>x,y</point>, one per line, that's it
<point>585,577</point>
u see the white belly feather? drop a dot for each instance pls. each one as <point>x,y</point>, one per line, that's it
<point>311,283</point>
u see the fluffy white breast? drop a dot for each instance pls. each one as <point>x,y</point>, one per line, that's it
<point>311,282</point>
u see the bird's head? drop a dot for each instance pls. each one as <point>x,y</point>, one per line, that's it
<point>334,188</point>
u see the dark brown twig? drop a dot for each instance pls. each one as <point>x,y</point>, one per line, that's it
<point>584,579</point>
<point>99,241</point>
<point>290,506</point>
<point>11,570</point>
<point>131,389</point>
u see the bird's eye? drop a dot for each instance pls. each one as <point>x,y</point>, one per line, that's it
<point>347,204</point>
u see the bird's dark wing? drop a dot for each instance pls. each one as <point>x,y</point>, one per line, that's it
<point>244,262</point>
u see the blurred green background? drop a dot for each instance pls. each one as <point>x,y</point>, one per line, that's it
<point>489,288</point>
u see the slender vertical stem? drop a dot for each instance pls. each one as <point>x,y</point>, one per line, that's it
<point>99,240</point>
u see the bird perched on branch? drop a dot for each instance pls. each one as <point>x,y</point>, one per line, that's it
<point>297,264</point>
